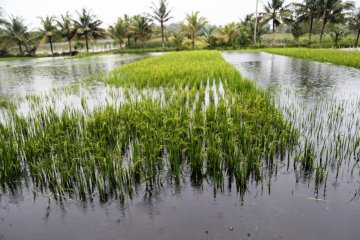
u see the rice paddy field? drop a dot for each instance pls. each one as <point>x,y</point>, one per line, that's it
<point>188,145</point>
<point>335,56</point>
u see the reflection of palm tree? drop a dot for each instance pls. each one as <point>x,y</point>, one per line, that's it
<point>354,25</point>
<point>276,12</point>
<point>142,28</point>
<point>66,29</point>
<point>161,14</point>
<point>89,27</point>
<point>15,31</point>
<point>48,31</point>
<point>334,11</point>
<point>194,23</point>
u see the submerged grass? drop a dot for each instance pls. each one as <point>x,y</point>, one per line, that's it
<point>180,112</point>
<point>340,57</point>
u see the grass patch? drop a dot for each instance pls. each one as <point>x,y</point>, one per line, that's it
<point>347,58</point>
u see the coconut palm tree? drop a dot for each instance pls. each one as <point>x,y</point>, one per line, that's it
<point>209,36</point>
<point>48,31</point>
<point>142,28</point>
<point>88,26</point>
<point>119,31</point>
<point>178,40</point>
<point>278,13</point>
<point>354,25</point>
<point>256,20</point>
<point>128,23</point>
<point>194,23</point>
<point>2,20</point>
<point>15,31</point>
<point>66,29</point>
<point>161,14</point>
<point>333,11</point>
<point>308,11</point>
<point>338,31</point>
<point>229,33</point>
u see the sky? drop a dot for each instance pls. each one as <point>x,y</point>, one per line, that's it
<point>217,12</point>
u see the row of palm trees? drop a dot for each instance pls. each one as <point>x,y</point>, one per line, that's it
<point>86,26</point>
<point>306,13</point>
<point>141,28</point>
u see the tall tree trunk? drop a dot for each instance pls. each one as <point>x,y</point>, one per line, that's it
<point>322,30</point>
<point>143,41</point>
<point>256,21</point>
<point>69,42</point>
<point>162,34</point>
<point>273,32</point>
<point>86,43</point>
<point>128,41</point>
<point>193,39</point>
<point>51,45</point>
<point>357,39</point>
<point>19,44</point>
<point>310,28</point>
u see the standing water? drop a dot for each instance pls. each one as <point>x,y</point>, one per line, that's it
<point>289,205</point>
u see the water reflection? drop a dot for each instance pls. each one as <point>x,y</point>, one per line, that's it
<point>39,75</point>
<point>310,79</point>
<point>279,207</point>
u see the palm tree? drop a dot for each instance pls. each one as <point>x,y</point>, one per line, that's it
<point>333,11</point>
<point>161,14</point>
<point>337,32</point>
<point>253,25</point>
<point>194,23</point>
<point>128,23</point>
<point>309,10</point>
<point>2,20</point>
<point>256,21</point>
<point>178,40</point>
<point>142,28</point>
<point>209,36</point>
<point>276,12</point>
<point>354,25</point>
<point>48,31</point>
<point>15,31</point>
<point>89,27</point>
<point>66,29</point>
<point>229,33</point>
<point>119,31</point>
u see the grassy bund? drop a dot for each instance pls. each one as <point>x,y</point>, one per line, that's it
<point>347,58</point>
<point>181,114</point>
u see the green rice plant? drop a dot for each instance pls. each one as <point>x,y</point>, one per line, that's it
<point>178,112</point>
<point>340,57</point>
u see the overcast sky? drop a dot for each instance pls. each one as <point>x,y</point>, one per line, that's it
<point>218,12</point>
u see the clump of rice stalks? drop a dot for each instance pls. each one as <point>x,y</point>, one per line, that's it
<point>202,115</point>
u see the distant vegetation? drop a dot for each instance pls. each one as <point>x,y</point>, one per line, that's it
<point>319,23</point>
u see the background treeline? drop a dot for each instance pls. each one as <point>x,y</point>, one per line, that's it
<point>325,23</point>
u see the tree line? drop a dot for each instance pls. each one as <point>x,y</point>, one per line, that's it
<point>298,18</point>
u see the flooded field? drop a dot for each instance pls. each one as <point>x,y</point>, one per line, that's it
<point>317,199</point>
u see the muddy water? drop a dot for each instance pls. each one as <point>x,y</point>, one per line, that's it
<point>284,207</point>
